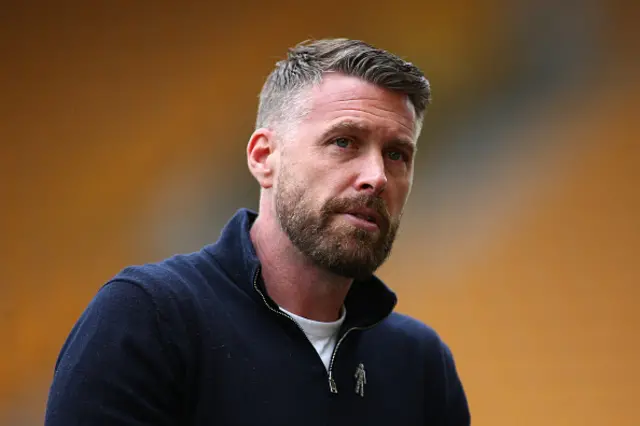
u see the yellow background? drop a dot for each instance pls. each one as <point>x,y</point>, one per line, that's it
<point>123,132</point>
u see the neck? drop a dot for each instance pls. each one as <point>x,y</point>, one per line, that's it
<point>292,280</point>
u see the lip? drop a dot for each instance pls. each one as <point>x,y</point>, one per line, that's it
<point>353,216</point>
<point>361,223</point>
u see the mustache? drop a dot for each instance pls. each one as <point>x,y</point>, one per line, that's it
<point>344,205</point>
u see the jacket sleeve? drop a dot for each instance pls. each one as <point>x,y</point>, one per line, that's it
<point>114,368</point>
<point>456,405</point>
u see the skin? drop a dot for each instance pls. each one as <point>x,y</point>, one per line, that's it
<point>353,148</point>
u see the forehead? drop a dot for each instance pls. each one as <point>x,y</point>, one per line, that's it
<point>341,97</point>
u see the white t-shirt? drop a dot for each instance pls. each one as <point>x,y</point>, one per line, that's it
<point>322,335</point>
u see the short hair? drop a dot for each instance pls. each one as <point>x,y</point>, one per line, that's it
<point>307,62</point>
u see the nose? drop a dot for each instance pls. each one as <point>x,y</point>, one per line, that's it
<point>372,177</point>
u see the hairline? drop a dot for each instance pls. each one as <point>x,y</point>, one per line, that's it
<point>285,121</point>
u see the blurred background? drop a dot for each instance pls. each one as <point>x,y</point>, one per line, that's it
<point>124,127</point>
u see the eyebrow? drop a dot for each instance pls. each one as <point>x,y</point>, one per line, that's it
<point>410,147</point>
<point>360,128</point>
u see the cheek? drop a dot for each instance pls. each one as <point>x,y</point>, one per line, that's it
<point>311,183</point>
<point>408,187</point>
<point>398,196</point>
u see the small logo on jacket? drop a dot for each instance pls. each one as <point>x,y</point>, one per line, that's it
<point>361,379</point>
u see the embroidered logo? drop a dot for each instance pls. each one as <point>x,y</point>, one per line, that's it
<point>361,379</point>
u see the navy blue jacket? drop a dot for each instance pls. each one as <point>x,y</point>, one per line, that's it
<point>196,340</point>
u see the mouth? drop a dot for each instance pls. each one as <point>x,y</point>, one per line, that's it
<point>368,218</point>
<point>367,215</point>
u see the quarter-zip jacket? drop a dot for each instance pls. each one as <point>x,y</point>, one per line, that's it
<point>196,340</point>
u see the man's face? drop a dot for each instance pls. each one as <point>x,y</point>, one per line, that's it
<point>345,173</point>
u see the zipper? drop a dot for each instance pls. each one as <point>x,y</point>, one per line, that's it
<point>332,383</point>
<point>333,387</point>
<point>264,299</point>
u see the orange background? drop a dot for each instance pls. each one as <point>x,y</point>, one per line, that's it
<point>122,141</point>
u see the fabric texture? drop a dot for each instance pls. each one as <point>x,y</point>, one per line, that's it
<point>195,340</point>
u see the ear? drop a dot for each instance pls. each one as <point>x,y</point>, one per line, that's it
<point>261,157</point>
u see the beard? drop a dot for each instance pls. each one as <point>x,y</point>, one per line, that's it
<point>340,248</point>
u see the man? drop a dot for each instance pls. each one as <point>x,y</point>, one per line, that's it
<point>281,321</point>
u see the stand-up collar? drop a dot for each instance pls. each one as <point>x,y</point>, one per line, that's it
<point>367,302</point>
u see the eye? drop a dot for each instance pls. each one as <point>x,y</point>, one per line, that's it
<point>396,155</point>
<point>342,142</point>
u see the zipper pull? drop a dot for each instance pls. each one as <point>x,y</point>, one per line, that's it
<point>332,384</point>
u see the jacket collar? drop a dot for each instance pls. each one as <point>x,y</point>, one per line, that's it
<point>367,302</point>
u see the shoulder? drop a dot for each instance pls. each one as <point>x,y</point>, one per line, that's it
<point>407,327</point>
<point>420,342</point>
<point>169,290</point>
<point>173,277</point>
<point>174,271</point>
<point>172,286</point>
<point>416,336</point>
